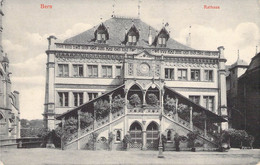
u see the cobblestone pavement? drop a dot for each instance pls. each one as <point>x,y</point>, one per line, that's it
<point>43,156</point>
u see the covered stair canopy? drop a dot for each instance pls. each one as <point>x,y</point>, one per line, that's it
<point>196,107</point>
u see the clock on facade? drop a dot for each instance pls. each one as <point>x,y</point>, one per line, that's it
<point>144,68</point>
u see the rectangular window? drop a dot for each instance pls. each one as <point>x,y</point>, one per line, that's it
<point>92,70</point>
<point>118,71</point>
<point>78,70</point>
<point>91,96</point>
<point>182,74</point>
<point>63,99</point>
<point>78,99</point>
<point>63,70</point>
<point>209,102</point>
<point>107,71</point>
<point>208,75</point>
<point>195,75</point>
<point>195,99</point>
<point>169,73</point>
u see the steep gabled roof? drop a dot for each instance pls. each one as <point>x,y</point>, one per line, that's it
<point>117,32</point>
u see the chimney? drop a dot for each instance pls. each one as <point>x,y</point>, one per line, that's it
<point>188,40</point>
<point>150,37</point>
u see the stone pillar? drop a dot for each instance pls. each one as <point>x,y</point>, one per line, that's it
<point>62,130</point>
<point>144,140</point>
<point>78,142</point>
<point>176,105</point>
<point>144,101</point>
<point>205,127</point>
<point>110,112</point>
<point>125,107</point>
<point>191,123</point>
<point>49,106</point>
<point>222,87</point>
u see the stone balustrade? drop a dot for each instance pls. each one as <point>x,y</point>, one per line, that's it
<point>123,49</point>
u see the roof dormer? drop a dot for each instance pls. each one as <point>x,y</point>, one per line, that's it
<point>162,38</point>
<point>132,36</point>
<point>101,34</point>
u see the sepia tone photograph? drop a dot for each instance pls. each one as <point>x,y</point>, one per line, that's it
<point>129,82</point>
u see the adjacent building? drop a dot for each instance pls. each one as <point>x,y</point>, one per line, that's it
<point>244,96</point>
<point>9,101</point>
<point>122,57</point>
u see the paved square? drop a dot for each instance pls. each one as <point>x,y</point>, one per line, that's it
<point>43,156</point>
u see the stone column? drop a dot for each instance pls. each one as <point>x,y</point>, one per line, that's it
<point>62,130</point>
<point>176,105</point>
<point>144,140</point>
<point>49,107</point>
<point>222,86</point>
<point>125,107</point>
<point>78,142</point>
<point>205,127</point>
<point>110,112</point>
<point>144,101</point>
<point>191,123</point>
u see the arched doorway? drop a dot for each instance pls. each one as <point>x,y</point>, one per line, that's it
<point>152,135</point>
<point>135,132</point>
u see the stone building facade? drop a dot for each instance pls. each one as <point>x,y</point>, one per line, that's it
<point>125,56</point>
<point>9,101</point>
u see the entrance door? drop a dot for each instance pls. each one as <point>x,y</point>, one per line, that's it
<point>152,136</point>
<point>136,135</point>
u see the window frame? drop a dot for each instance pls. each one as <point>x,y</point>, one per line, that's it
<point>118,71</point>
<point>92,94</point>
<point>63,100</point>
<point>194,97</point>
<point>78,66</point>
<point>62,71</point>
<point>170,73</point>
<point>207,75</point>
<point>107,67</point>
<point>186,70</point>
<point>91,68</point>
<point>195,72</point>
<point>207,102</point>
<point>78,96</point>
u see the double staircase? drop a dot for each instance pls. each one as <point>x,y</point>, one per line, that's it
<point>103,124</point>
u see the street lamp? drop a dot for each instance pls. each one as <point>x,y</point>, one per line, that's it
<point>160,155</point>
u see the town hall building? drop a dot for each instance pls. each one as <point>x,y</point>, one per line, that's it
<point>134,80</point>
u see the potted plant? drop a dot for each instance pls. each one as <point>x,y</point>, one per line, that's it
<point>135,100</point>
<point>177,140</point>
<point>110,140</point>
<point>152,99</point>
<point>192,136</point>
<point>126,141</point>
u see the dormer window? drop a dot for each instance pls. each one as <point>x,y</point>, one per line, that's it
<point>132,36</point>
<point>162,38</point>
<point>101,34</point>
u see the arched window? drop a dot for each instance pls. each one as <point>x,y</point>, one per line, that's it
<point>118,135</point>
<point>169,135</point>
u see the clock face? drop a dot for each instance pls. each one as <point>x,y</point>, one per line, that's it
<point>144,68</point>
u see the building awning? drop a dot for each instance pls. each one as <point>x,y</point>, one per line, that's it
<point>196,107</point>
<point>72,111</point>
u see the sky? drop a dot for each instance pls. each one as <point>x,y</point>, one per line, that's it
<point>235,25</point>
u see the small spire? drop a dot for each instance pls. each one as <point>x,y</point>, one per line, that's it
<point>113,8</point>
<point>139,7</point>
<point>237,54</point>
